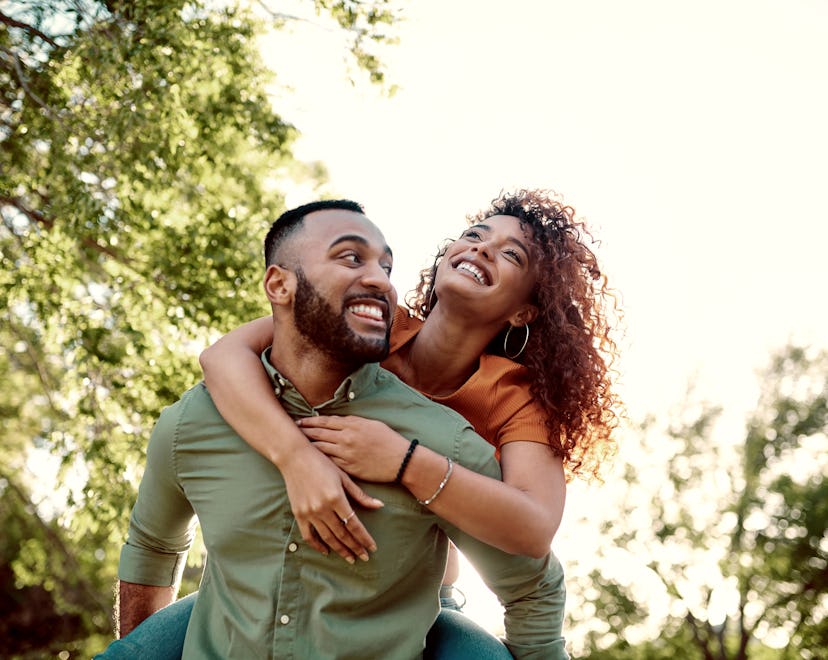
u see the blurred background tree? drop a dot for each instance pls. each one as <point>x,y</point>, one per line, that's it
<point>732,537</point>
<point>142,162</point>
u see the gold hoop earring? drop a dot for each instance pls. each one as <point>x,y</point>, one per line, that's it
<point>431,299</point>
<point>506,342</point>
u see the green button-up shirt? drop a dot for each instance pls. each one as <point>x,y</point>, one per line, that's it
<point>265,593</point>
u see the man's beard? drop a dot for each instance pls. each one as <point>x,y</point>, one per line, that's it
<point>318,322</point>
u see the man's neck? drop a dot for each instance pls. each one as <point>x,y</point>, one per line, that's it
<point>314,374</point>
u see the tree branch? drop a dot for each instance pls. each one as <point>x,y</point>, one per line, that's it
<point>48,223</point>
<point>700,642</point>
<point>54,539</point>
<point>36,364</point>
<point>30,29</point>
<point>21,77</point>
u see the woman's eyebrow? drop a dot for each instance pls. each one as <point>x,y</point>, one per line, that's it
<point>520,244</point>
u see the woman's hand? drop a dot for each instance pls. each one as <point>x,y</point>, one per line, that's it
<point>321,495</point>
<point>364,448</point>
<point>317,491</point>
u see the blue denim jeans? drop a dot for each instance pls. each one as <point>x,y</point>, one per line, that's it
<point>160,637</point>
<point>452,637</point>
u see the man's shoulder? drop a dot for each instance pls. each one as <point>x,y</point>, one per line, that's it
<point>395,391</point>
<point>194,407</point>
<point>438,427</point>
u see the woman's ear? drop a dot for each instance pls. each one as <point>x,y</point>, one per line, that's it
<point>526,314</point>
<point>279,285</point>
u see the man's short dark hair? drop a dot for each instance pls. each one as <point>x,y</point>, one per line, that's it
<point>290,221</point>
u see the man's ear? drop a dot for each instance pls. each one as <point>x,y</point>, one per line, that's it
<point>279,285</point>
<point>526,314</point>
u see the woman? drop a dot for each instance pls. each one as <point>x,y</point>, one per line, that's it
<point>509,328</point>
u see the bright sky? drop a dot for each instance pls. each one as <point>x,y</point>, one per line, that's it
<point>692,136</point>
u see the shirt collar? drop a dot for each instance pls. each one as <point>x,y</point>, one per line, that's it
<point>354,386</point>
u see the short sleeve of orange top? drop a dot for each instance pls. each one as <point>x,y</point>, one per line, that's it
<point>495,400</point>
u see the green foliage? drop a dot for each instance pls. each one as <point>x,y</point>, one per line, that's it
<point>368,26</point>
<point>729,549</point>
<point>141,165</point>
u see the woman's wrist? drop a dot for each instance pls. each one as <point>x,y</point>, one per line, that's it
<point>282,448</point>
<point>425,472</point>
<point>408,454</point>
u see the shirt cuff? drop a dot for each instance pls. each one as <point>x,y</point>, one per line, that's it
<point>552,651</point>
<point>151,567</point>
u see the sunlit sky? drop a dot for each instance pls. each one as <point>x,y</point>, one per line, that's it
<point>692,137</point>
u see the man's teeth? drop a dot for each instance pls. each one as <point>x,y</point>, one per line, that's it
<point>367,310</point>
<point>474,270</point>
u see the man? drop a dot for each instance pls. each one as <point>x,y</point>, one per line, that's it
<point>264,593</point>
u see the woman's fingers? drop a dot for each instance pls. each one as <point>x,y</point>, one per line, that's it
<point>318,495</point>
<point>338,537</point>
<point>312,538</point>
<point>322,434</point>
<point>332,422</point>
<point>358,495</point>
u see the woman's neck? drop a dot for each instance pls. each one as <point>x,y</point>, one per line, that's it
<point>444,354</point>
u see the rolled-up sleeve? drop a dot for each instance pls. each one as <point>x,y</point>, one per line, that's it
<point>532,591</point>
<point>162,523</point>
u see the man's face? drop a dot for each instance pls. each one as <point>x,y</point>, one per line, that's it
<point>327,328</point>
<point>344,301</point>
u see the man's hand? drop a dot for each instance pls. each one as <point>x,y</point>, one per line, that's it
<point>318,491</point>
<point>138,601</point>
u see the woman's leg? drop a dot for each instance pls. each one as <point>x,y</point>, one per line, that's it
<point>454,636</point>
<point>160,636</point>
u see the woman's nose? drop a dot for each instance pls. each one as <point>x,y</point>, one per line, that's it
<point>483,248</point>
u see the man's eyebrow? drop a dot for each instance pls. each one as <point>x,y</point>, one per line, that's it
<point>356,238</point>
<point>511,239</point>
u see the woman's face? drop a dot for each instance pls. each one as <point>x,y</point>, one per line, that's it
<point>493,262</point>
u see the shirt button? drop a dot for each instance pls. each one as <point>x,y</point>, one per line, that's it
<point>293,547</point>
<point>351,396</point>
<point>285,619</point>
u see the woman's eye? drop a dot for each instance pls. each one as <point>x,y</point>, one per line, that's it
<point>514,256</point>
<point>472,233</point>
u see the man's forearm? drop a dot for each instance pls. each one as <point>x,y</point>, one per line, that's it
<point>138,601</point>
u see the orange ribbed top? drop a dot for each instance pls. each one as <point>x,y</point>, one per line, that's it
<point>495,400</point>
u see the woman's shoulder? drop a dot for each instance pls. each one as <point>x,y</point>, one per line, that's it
<point>514,413</point>
<point>495,369</point>
<point>404,327</point>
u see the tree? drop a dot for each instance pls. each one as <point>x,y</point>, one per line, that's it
<point>727,554</point>
<point>141,164</point>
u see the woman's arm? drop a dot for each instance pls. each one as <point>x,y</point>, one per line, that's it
<point>243,394</point>
<point>519,515</point>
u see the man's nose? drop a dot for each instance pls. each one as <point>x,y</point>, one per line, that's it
<point>376,277</point>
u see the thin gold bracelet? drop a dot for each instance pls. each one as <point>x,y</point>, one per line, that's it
<point>442,484</point>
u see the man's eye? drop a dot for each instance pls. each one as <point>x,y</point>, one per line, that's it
<point>351,257</point>
<point>387,268</point>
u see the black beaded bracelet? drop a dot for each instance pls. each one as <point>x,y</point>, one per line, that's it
<point>405,460</point>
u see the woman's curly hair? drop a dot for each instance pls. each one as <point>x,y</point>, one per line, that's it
<point>570,352</point>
